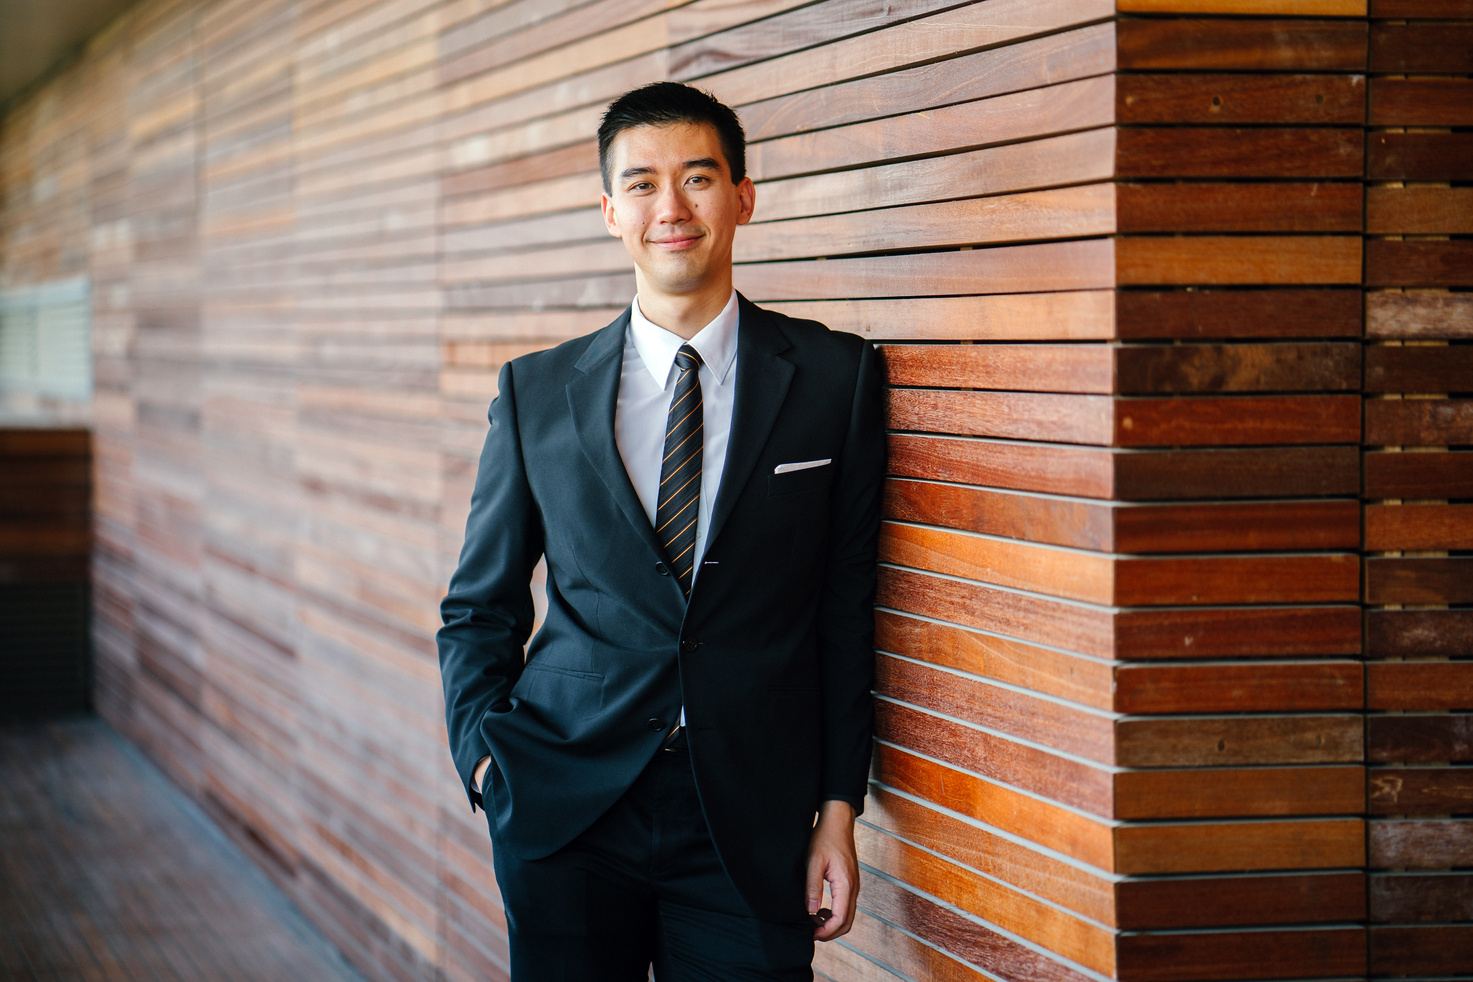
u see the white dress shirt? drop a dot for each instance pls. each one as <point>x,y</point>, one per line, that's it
<point>646,386</point>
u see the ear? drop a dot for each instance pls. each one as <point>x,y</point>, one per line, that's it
<point>746,200</point>
<point>611,221</point>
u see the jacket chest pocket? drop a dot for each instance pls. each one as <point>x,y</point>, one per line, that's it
<point>792,482</point>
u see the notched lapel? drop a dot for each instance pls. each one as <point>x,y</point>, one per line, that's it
<point>593,398</point>
<point>763,377</point>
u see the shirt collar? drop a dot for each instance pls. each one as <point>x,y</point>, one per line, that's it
<point>715,343</point>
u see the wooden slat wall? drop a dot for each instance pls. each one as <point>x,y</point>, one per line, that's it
<point>1113,253</point>
<point>1418,486</point>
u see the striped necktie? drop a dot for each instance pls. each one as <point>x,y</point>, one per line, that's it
<point>680,471</point>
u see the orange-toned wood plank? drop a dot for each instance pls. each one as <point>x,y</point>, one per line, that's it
<point>1391,527</point>
<point>1083,315</point>
<point>1056,673</point>
<point>1239,207</point>
<point>1240,420</point>
<point>1424,685</point>
<point>1419,211</point>
<point>1085,471</point>
<point>1006,562</point>
<point>1016,415</point>
<point>1208,847</point>
<point>1157,581</point>
<point>1240,792</point>
<point>1249,260</point>
<point>1084,839</point>
<point>1317,686</point>
<point>1033,367</point>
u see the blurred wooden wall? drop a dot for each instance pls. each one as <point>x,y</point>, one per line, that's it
<point>1165,289</point>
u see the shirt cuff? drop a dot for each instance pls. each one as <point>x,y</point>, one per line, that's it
<point>856,803</point>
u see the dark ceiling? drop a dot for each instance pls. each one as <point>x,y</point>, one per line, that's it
<point>37,34</point>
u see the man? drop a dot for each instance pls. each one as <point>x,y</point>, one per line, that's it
<point>702,477</point>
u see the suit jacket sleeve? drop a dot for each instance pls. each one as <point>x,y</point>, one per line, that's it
<point>487,613</point>
<point>846,627</point>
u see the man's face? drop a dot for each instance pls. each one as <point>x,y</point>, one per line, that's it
<point>674,205</point>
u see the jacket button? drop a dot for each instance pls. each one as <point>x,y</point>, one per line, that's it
<point>662,569</point>
<point>656,724</point>
<point>689,644</point>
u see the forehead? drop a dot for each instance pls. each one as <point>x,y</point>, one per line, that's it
<point>671,145</point>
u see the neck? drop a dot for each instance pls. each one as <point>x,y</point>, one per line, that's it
<point>683,314</point>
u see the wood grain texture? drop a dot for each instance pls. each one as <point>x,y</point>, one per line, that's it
<point>1419,211</point>
<point>1246,260</point>
<point>1419,685</point>
<point>1412,897</point>
<point>1084,471</point>
<point>1418,475</point>
<point>1239,207</point>
<point>1197,741</point>
<point>1240,792</point>
<point>1391,527</point>
<point>1429,843</point>
<point>1081,315</point>
<point>1205,901</point>
<point>1419,739</point>
<point>1236,152</point>
<point>1236,688</point>
<point>1240,98</point>
<point>1229,473</point>
<point>1205,314</point>
<point>1268,844</point>
<point>1400,263</point>
<point>1256,44</point>
<point>1419,369</point>
<point>1419,791</point>
<point>1419,315</point>
<point>1420,102</point>
<point>1419,422</point>
<point>1323,953</point>
<point>1419,156</point>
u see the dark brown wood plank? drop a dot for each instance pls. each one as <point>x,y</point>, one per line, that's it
<point>1324,367</point>
<point>1438,633</point>
<point>1419,581</point>
<point>1442,949</point>
<point>1142,314</point>
<point>1331,952</point>
<point>1420,102</point>
<point>1419,791</point>
<point>1235,527</point>
<point>1419,739</point>
<point>1226,792</point>
<point>1251,632</point>
<point>1219,741</point>
<point>1436,9</point>
<point>1257,44</point>
<point>1235,152</point>
<point>1237,99</point>
<point>1419,156</point>
<point>1419,369</point>
<point>1242,688</point>
<point>1205,901</point>
<point>1223,207</point>
<point>1419,422</point>
<point>1391,474</point>
<point>1401,49</point>
<point>1411,897</point>
<point>1419,527</point>
<point>1401,263</point>
<point>1267,472</point>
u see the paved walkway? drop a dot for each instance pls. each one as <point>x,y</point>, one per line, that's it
<point>107,872</point>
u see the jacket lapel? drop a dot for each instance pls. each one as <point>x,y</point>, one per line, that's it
<point>593,398</point>
<point>762,384</point>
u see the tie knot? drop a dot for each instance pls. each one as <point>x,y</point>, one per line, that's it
<point>687,358</point>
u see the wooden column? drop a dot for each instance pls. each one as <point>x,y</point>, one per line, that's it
<point>1419,581</point>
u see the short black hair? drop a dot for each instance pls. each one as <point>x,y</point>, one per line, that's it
<point>664,103</point>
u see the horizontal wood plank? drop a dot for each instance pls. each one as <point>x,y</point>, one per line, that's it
<point>1412,897</point>
<point>1391,474</point>
<point>1220,741</point>
<point>1209,847</point>
<point>1419,422</point>
<point>1393,527</point>
<point>1237,99</point>
<point>1239,207</point>
<point>1401,263</point>
<point>1419,685</point>
<point>1256,44</point>
<point>1419,791</point>
<point>1205,314</point>
<point>1237,152</point>
<point>1419,156</point>
<point>1316,953</point>
<point>1082,315</point>
<point>1420,102</point>
<point>1419,369</point>
<point>1428,843</point>
<point>1318,686</point>
<point>1214,260</point>
<point>1419,739</point>
<point>1419,211</point>
<point>1240,792</point>
<point>1204,901</point>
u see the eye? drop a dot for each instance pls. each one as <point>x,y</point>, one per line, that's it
<point>699,179</point>
<point>641,186</point>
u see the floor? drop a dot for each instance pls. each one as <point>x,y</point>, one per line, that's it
<point>107,872</point>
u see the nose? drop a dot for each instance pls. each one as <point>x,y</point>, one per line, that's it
<point>672,206</point>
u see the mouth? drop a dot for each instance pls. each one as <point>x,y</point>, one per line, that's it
<point>676,244</point>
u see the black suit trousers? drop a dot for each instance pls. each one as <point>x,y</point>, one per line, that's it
<point>643,885</point>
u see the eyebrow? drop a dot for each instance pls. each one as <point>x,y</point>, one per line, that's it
<point>707,163</point>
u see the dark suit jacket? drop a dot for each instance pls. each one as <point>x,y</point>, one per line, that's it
<point>772,658</point>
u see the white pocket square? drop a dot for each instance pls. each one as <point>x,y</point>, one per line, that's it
<point>801,465</point>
